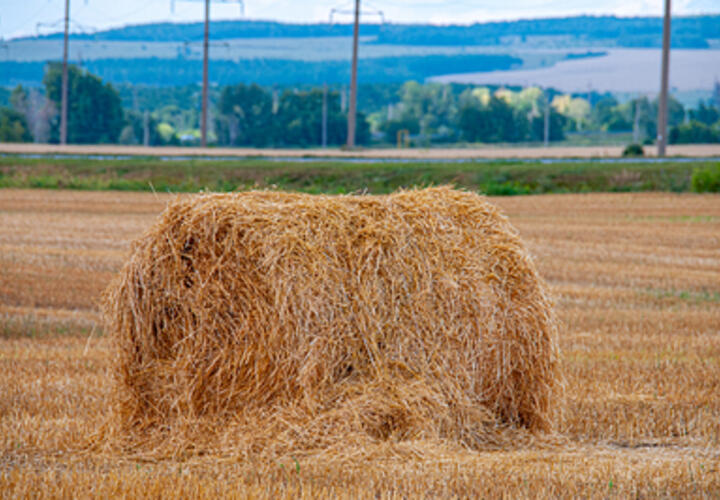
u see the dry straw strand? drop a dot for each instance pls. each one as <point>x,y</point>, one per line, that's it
<point>271,321</point>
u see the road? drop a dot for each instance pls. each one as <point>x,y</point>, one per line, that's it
<point>488,152</point>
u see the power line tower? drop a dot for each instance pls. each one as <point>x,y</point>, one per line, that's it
<point>64,102</point>
<point>662,108</point>
<point>546,119</point>
<point>324,130</point>
<point>64,90</point>
<point>352,111</point>
<point>206,54</point>
<point>353,80</point>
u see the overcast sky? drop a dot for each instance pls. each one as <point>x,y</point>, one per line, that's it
<point>21,17</point>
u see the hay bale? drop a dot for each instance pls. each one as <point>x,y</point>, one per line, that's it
<point>416,315</point>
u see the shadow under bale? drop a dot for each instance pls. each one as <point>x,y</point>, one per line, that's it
<point>288,321</point>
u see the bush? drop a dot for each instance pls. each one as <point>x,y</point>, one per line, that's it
<point>706,180</point>
<point>633,150</point>
<point>13,126</point>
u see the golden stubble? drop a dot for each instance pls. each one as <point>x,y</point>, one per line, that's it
<point>636,279</point>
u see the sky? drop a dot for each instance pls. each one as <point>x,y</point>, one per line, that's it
<point>29,17</point>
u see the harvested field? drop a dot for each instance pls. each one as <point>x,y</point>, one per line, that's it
<point>637,282</point>
<point>620,70</point>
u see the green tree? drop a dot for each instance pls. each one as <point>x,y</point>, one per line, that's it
<point>576,109</point>
<point>675,110</point>
<point>19,99</point>
<point>13,126</point>
<point>618,123</point>
<point>431,105</point>
<point>136,130</point>
<point>95,113</point>
<point>604,111</point>
<point>182,118</point>
<point>391,127</point>
<point>4,96</point>
<point>299,120</point>
<point>496,122</point>
<point>557,127</point>
<point>706,114</point>
<point>246,116</point>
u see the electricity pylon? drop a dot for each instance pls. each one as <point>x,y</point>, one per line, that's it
<point>662,108</point>
<point>64,98</point>
<point>206,51</point>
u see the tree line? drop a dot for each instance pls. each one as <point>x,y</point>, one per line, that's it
<point>244,115</point>
<point>687,31</point>
<point>260,116</point>
<point>183,71</point>
<point>443,113</point>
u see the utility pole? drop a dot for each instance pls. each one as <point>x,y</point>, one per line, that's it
<point>636,122</point>
<point>64,97</point>
<point>662,108</point>
<point>546,128</point>
<point>353,80</point>
<point>146,128</point>
<point>324,116</point>
<point>206,47</point>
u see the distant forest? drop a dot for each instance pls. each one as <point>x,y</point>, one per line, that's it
<point>252,115</point>
<point>687,32</point>
<point>165,72</point>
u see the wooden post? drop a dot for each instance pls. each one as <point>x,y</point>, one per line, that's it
<point>546,128</point>
<point>325,116</point>
<point>206,46</point>
<point>665,73</point>
<point>64,96</point>
<point>353,81</point>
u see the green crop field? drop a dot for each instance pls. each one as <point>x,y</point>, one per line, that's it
<point>496,177</point>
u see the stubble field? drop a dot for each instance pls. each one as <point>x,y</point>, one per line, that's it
<point>637,283</point>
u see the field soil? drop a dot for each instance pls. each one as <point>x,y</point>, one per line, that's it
<point>636,278</point>
<point>691,150</point>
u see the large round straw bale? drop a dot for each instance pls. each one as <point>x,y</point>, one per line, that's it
<point>413,315</point>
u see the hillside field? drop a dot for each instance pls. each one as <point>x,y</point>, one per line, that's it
<point>617,71</point>
<point>636,278</point>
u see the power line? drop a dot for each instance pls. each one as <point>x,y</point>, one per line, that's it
<point>241,4</point>
<point>376,12</point>
<point>81,28</point>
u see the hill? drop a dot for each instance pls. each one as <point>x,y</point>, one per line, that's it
<point>275,53</point>
<point>687,32</point>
